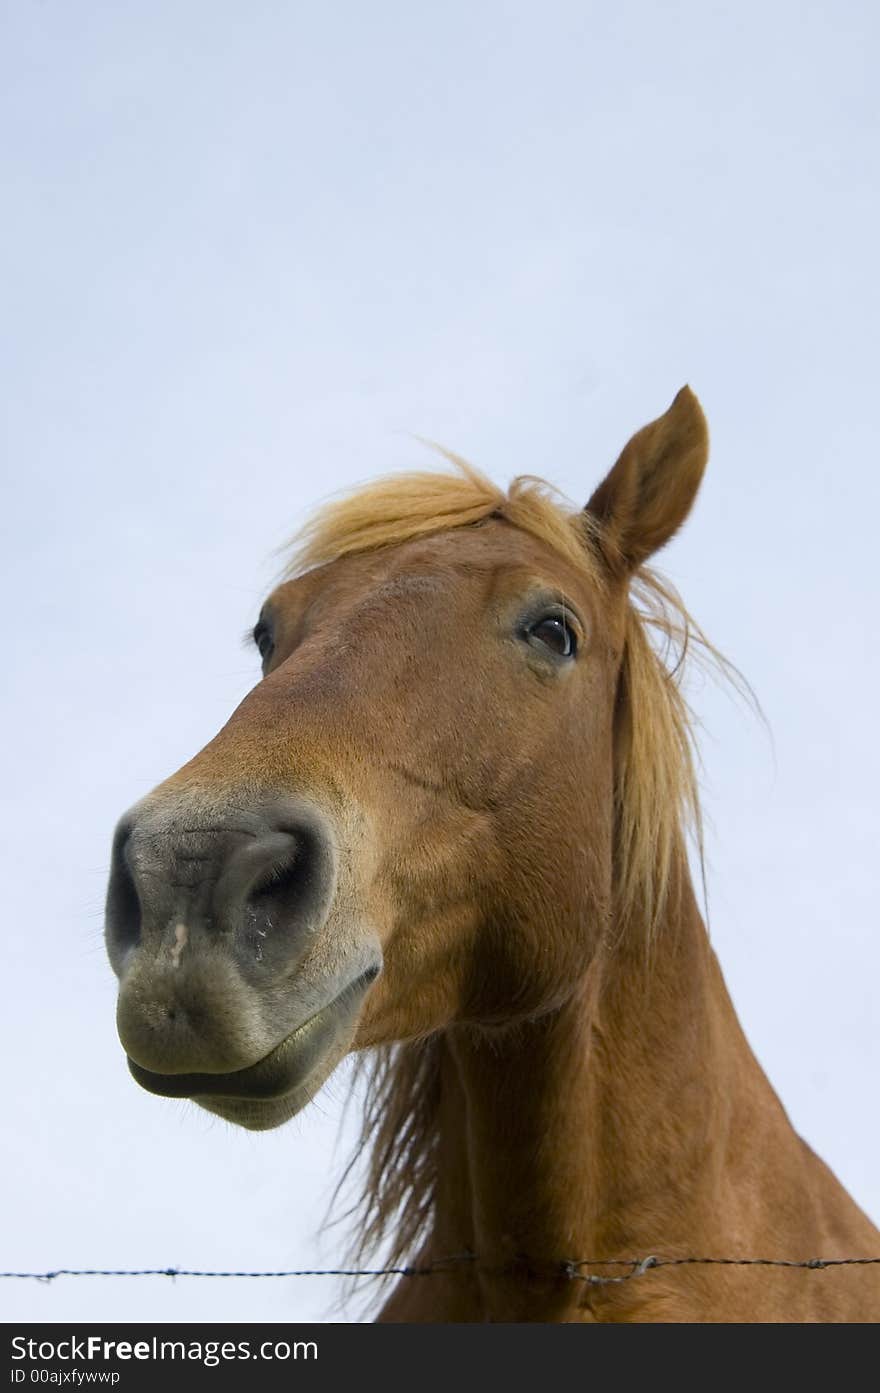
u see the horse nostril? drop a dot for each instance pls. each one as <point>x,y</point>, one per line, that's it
<point>271,890</point>
<point>122,926</point>
<point>255,886</point>
<point>276,907</point>
<point>277,878</point>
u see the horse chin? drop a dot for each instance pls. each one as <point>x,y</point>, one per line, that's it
<point>274,1089</point>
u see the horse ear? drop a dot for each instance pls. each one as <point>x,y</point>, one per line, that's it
<point>648,494</point>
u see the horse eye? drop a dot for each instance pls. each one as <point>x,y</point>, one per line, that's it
<point>264,641</point>
<point>555,634</point>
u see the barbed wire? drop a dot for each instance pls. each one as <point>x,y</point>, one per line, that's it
<point>572,1271</point>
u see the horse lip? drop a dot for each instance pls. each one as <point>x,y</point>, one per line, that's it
<point>284,1068</point>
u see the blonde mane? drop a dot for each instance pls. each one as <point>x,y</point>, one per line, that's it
<point>656,792</point>
<point>401,507</point>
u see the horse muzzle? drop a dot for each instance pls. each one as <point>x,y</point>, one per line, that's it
<point>240,982</point>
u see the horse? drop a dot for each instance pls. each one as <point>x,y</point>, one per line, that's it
<point>448,832</point>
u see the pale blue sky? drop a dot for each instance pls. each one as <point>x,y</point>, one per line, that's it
<point>247,251</point>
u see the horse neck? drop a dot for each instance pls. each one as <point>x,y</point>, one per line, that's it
<point>600,1129</point>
